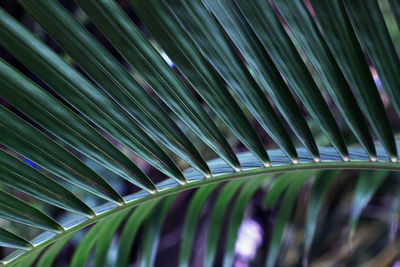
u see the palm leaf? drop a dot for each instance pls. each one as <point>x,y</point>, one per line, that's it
<point>8,239</point>
<point>237,65</point>
<point>341,33</point>
<point>81,94</point>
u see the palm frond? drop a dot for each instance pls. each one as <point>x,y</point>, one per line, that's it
<point>150,218</point>
<point>237,65</point>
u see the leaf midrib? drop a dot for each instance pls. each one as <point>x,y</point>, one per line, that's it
<point>250,173</point>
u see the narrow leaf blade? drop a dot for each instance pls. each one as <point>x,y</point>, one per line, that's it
<point>81,94</point>
<point>374,37</point>
<point>253,51</point>
<point>153,233</point>
<point>191,63</point>
<point>367,184</point>
<point>283,53</point>
<point>130,230</point>
<point>51,253</point>
<point>155,71</point>
<point>190,224</point>
<point>236,217</point>
<point>217,217</point>
<point>304,28</point>
<point>320,186</point>
<point>205,33</point>
<point>16,210</point>
<point>50,113</point>
<point>114,80</point>
<point>105,237</point>
<point>10,240</point>
<point>284,213</point>
<point>23,138</point>
<point>347,51</point>
<point>21,176</point>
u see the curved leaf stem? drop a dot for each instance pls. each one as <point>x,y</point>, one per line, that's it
<point>250,173</point>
